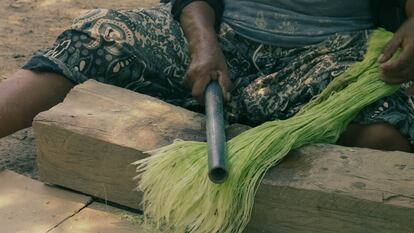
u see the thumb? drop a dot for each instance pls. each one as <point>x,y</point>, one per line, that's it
<point>225,84</point>
<point>410,91</point>
<point>390,48</point>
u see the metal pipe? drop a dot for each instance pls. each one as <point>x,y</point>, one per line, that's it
<point>216,139</point>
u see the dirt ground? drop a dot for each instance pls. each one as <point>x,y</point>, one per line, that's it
<point>26,26</point>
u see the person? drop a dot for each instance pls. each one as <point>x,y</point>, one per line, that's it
<point>270,58</point>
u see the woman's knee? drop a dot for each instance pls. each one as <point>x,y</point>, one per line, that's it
<point>381,136</point>
<point>98,46</point>
<point>105,26</point>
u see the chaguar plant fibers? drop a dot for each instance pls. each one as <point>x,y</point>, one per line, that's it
<point>177,192</point>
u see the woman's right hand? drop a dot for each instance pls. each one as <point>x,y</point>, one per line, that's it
<point>207,64</point>
<point>207,60</point>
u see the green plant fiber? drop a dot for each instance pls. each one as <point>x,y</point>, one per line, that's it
<point>177,191</point>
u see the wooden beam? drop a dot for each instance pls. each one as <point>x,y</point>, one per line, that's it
<point>328,188</point>
<point>88,142</point>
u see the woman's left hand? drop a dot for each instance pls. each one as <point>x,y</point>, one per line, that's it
<point>400,70</point>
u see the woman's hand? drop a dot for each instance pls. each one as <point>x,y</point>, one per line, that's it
<point>207,60</point>
<point>400,70</point>
<point>208,64</point>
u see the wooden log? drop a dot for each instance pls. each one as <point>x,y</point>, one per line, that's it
<point>328,188</point>
<point>87,143</point>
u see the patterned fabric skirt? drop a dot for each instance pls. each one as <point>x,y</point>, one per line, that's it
<point>144,50</point>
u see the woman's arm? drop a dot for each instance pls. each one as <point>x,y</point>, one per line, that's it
<point>402,69</point>
<point>217,5</point>
<point>207,63</point>
<point>409,8</point>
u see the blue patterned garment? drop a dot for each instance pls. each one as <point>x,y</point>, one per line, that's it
<point>288,23</point>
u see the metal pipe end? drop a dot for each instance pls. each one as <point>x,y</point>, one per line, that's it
<point>218,175</point>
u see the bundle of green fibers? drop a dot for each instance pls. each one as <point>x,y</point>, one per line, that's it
<point>177,192</point>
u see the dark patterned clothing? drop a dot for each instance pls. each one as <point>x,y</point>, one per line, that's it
<point>145,51</point>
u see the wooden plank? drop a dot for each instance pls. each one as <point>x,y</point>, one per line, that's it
<point>87,142</point>
<point>327,188</point>
<point>100,218</point>
<point>29,206</point>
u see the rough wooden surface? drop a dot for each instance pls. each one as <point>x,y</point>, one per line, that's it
<point>87,143</point>
<point>28,206</point>
<point>100,218</point>
<point>327,188</point>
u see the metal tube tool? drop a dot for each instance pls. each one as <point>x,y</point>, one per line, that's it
<point>216,139</point>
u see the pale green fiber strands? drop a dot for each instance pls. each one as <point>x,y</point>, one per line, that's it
<point>177,191</point>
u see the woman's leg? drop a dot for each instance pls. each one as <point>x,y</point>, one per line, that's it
<point>289,78</point>
<point>380,136</point>
<point>25,94</point>
<point>142,50</point>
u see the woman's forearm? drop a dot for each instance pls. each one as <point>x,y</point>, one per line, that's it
<point>409,8</point>
<point>207,59</point>
<point>197,21</point>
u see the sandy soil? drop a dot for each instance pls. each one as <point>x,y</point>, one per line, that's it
<point>26,26</point>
